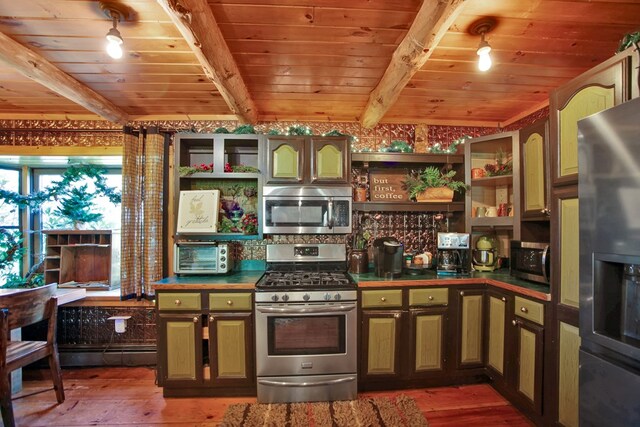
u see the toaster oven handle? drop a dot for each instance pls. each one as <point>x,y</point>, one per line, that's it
<point>305,384</point>
<point>545,252</point>
<point>341,308</point>
<point>330,213</point>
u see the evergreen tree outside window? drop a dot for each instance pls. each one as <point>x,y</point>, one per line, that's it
<point>10,255</point>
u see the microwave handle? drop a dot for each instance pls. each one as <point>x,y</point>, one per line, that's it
<point>545,252</point>
<point>330,213</point>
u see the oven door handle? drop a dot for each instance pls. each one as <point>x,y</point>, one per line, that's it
<point>305,384</point>
<point>341,309</point>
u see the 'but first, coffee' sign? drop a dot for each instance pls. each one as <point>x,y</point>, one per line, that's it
<point>385,185</point>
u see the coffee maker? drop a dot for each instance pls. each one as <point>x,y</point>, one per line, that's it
<point>387,257</point>
<point>454,255</point>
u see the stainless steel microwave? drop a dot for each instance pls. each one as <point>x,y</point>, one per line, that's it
<point>530,261</point>
<point>306,210</point>
<point>202,258</point>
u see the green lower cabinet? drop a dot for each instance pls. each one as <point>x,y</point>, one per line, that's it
<point>381,333</point>
<point>496,334</point>
<point>530,339</point>
<point>427,337</point>
<point>470,345</point>
<point>231,349</point>
<point>181,339</point>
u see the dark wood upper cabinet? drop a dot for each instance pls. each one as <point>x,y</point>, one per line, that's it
<point>534,163</point>
<point>604,86</point>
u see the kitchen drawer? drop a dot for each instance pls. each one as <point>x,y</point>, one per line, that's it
<point>384,298</point>
<point>428,296</point>
<point>230,301</point>
<point>179,301</point>
<point>530,310</point>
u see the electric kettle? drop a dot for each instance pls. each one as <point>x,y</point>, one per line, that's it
<point>485,255</point>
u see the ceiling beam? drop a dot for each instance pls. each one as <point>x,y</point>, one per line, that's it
<point>432,21</point>
<point>38,69</point>
<point>198,26</point>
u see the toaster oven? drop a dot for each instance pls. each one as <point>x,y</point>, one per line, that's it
<point>202,258</point>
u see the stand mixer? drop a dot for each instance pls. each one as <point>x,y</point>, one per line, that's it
<point>485,255</point>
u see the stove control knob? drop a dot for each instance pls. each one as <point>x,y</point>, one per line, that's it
<point>285,297</point>
<point>306,297</point>
<point>327,296</point>
<point>274,298</point>
<point>337,297</point>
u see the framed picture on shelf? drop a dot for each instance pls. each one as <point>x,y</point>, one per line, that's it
<point>198,211</point>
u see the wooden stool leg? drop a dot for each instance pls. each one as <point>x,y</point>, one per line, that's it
<point>5,400</point>
<point>56,376</point>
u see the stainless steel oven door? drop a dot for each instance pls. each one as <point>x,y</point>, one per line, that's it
<point>306,338</point>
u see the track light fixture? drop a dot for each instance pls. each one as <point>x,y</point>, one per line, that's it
<point>115,42</point>
<point>482,27</point>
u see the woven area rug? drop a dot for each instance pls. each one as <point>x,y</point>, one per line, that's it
<point>368,412</point>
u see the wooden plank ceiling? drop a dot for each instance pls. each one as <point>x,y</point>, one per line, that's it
<point>311,60</point>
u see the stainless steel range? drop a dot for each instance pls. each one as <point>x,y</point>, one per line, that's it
<point>306,325</point>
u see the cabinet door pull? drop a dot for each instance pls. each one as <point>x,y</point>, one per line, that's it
<point>196,319</point>
<point>229,302</point>
<point>524,309</point>
<point>210,318</point>
<point>504,299</point>
<point>514,322</point>
<point>178,302</point>
<point>430,298</point>
<point>383,299</point>
<point>462,293</point>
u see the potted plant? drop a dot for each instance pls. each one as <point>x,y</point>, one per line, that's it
<point>432,185</point>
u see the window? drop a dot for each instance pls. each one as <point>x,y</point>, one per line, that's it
<point>10,259</point>
<point>20,170</point>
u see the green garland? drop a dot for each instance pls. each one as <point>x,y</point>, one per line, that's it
<point>74,173</point>
<point>451,149</point>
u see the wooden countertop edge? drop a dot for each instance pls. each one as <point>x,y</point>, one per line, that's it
<point>372,284</point>
<point>448,282</point>
<point>202,286</point>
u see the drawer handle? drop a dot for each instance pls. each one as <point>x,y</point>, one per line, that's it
<point>504,299</point>
<point>430,298</point>
<point>514,322</point>
<point>383,299</point>
<point>178,302</point>
<point>462,293</point>
<point>196,319</point>
<point>210,318</point>
<point>229,302</point>
<point>524,309</point>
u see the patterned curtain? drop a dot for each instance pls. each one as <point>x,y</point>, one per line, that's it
<point>142,203</point>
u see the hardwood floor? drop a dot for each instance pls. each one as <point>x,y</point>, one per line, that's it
<point>129,397</point>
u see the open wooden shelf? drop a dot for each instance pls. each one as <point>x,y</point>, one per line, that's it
<point>492,181</point>
<point>408,207</point>
<point>407,157</point>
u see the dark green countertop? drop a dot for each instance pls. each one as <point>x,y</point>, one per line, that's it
<point>247,280</point>
<point>501,275</point>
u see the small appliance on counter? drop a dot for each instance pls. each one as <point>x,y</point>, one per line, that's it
<point>388,257</point>
<point>530,261</point>
<point>192,257</point>
<point>485,255</point>
<point>454,256</point>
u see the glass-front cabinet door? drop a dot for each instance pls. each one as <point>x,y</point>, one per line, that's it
<point>329,160</point>
<point>285,160</point>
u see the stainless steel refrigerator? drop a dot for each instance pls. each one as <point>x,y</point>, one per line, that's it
<point>609,197</point>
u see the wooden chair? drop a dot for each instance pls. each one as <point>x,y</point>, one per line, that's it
<point>17,310</point>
